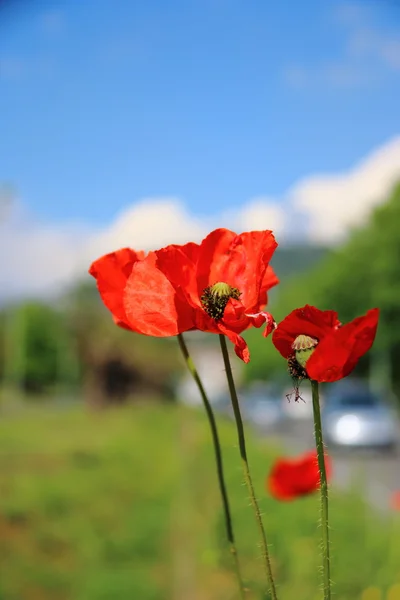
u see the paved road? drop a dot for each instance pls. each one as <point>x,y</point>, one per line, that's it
<point>378,474</point>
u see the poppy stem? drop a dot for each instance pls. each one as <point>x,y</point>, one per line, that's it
<point>218,459</point>
<point>245,466</point>
<point>319,442</point>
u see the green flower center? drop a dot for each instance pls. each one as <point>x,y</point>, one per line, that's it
<point>304,346</point>
<point>215,298</point>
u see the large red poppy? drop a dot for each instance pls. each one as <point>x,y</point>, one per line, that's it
<point>219,286</point>
<point>333,350</point>
<point>292,478</point>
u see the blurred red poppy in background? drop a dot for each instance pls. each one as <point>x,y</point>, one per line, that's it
<point>219,286</point>
<point>292,478</point>
<point>326,350</point>
<point>395,500</point>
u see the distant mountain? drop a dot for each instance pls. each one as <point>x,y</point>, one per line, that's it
<point>291,260</point>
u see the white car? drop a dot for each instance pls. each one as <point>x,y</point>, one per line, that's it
<point>354,417</point>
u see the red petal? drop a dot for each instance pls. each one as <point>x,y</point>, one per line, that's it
<point>239,260</point>
<point>269,281</point>
<point>337,355</point>
<point>307,321</point>
<point>271,325</point>
<point>178,263</point>
<point>152,304</point>
<point>256,249</point>
<point>235,317</point>
<point>237,320</point>
<point>241,348</point>
<point>111,273</point>
<point>205,323</point>
<point>295,477</point>
<point>277,486</point>
<point>214,254</point>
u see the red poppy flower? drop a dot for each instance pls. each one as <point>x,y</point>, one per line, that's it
<point>318,347</point>
<point>292,478</point>
<point>219,286</point>
<point>224,283</point>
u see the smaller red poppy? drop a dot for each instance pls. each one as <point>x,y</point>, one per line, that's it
<point>292,478</point>
<point>318,347</point>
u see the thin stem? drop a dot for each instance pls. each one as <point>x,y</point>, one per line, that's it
<point>245,466</point>
<point>218,459</point>
<point>319,442</point>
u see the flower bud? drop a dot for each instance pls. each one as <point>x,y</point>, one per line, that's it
<point>304,346</point>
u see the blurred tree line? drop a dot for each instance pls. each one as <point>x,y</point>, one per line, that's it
<point>362,273</point>
<point>72,344</point>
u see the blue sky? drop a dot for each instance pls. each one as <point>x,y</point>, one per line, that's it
<point>213,102</point>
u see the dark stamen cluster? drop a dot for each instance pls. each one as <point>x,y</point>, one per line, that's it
<point>214,302</point>
<point>295,369</point>
<point>298,374</point>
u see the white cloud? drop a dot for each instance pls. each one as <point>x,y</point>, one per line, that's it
<point>150,223</point>
<point>37,259</point>
<point>156,222</point>
<point>261,212</point>
<point>41,259</point>
<point>44,258</point>
<point>335,203</point>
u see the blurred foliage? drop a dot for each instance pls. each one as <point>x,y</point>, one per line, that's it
<point>362,273</point>
<point>35,339</point>
<point>125,504</point>
<point>289,260</point>
<point>77,344</point>
<point>117,363</point>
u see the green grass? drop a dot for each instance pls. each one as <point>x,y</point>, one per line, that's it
<point>124,505</point>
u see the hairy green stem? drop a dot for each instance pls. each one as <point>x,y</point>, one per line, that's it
<point>218,459</point>
<point>245,466</point>
<point>319,442</point>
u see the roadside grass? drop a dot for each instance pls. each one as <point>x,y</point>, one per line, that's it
<point>124,504</point>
